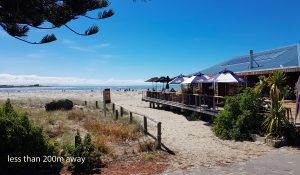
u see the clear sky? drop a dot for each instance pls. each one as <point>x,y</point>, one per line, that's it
<point>160,37</point>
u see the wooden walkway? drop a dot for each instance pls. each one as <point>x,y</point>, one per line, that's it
<point>193,108</point>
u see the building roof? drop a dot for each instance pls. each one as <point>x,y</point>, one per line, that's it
<point>284,57</point>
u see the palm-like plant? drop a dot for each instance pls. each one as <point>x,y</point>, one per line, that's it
<point>275,119</point>
<point>261,85</point>
<point>276,83</point>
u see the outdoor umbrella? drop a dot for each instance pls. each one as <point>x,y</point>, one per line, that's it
<point>154,79</point>
<point>163,80</point>
<point>196,78</point>
<point>226,76</point>
<point>179,79</point>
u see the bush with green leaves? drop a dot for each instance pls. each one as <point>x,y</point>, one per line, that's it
<point>288,93</point>
<point>19,138</point>
<point>84,148</point>
<point>240,118</point>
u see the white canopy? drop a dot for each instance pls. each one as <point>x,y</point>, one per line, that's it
<point>226,76</point>
<point>196,79</point>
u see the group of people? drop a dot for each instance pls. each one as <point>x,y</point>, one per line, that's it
<point>164,90</point>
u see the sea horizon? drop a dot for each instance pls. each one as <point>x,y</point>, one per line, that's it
<point>85,87</point>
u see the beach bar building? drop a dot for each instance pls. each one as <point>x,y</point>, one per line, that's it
<point>249,67</point>
<point>253,65</point>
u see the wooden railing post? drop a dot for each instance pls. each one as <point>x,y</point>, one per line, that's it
<point>113,108</point>
<point>104,108</point>
<point>145,125</point>
<point>97,105</point>
<point>130,117</point>
<point>121,111</point>
<point>214,103</point>
<point>117,114</point>
<point>159,135</point>
<point>200,101</point>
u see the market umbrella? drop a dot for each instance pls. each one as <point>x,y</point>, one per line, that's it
<point>179,79</point>
<point>226,76</point>
<point>154,79</point>
<point>196,78</point>
<point>163,80</point>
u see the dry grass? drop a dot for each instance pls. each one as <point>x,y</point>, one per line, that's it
<point>76,115</point>
<point>147,146</point>
<point>101,145</point>
<point>113,130</point>
<point>61,126</point>
<point>60,129</point>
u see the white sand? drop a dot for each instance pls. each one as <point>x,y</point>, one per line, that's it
<point>193,142</point>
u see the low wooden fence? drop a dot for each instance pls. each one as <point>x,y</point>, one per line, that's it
<point>118,112</point>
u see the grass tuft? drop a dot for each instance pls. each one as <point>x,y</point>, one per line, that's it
<point>113,131</point>
<point>147,146</point>
<point>76,115</point>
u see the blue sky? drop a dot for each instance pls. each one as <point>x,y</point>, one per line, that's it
<point>160,37</point>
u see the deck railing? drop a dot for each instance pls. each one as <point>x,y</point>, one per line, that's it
<point>197,100</point>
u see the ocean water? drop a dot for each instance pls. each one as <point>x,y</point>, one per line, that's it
<point>74,88</point>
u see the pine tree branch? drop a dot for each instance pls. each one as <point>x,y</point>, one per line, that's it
<point>91,17</point>
<point>90,31</point>
<point>21,39</point>
<point>42,27</point>
<point>81,34</point>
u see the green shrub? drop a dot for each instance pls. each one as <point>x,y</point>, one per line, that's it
<point>84,148</point>
<point>18,138</point>
<point>240,117</point>
<point>288,93</point>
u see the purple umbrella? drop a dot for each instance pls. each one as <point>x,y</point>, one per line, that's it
<point>196,78</point>
<point>227,76</point>
<point>179,79</point>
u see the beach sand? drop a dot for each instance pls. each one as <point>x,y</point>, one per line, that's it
<point>193,142</point>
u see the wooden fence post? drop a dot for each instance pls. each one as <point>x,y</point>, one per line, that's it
<point>159,135</point>
<point>97,105</point>
<point>85,103</point>
<point>145,125</point>
<point>104,108</point>
<point>117,114</point>
<point>130,117</point>
<point>113,108</point>
<point>121,111</point>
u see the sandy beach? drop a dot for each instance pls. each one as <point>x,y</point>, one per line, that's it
<point>193,142</point>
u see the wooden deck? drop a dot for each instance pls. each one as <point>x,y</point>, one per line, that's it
<point>193,108</point>
<point>186,103</point>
